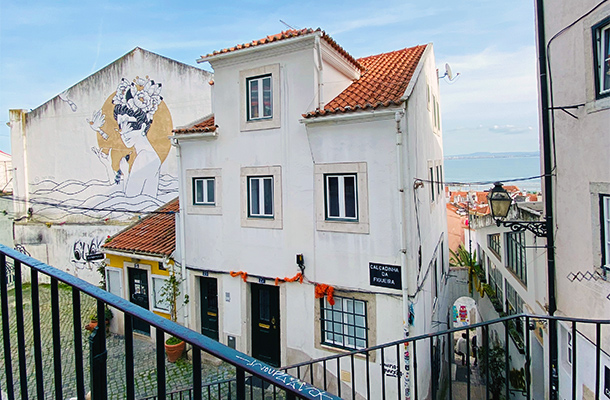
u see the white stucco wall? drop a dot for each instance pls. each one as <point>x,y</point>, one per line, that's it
<point>582,165</point>
<point>61,178</point>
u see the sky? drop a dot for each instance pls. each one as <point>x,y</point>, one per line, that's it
<point>48,46</point>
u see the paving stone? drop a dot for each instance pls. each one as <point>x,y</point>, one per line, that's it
<point>178,375</point>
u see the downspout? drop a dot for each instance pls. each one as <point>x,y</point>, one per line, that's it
<point>404,213</point>
<point>548,199</point>
<point>320,73</point>
<point>182,236</point>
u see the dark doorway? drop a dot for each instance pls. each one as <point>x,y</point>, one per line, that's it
<point>138,294</point>
<point>266,323</point>
<point>209,307</point>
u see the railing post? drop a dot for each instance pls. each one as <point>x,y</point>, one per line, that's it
<point>241,383</point>
<point>8,369</point>
<point>97,352</point>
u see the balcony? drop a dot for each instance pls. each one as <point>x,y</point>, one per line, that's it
<point>47,354</point>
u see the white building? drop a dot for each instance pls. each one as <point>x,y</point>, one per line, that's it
<point>311,152</point>
<point>514,265</point>
<point>93,158</point>
<point>577,42</point>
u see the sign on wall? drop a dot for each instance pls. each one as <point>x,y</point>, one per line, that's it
<point>384,275</point>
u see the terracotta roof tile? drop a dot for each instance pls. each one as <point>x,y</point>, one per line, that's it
<point>207,125</point>
<point>290,33</point>
<point>382,84</point>
<point>155,234</point>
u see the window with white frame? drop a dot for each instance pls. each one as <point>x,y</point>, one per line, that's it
<point>341,196</point>
<point>496,281</point>
<point>260,104</point>
<point>514,306</point>
<point>569,347</point>
<point>114,281</point>
<point>601,44</point>
<point>204,191</point>
<point>431,179</point>
<point>204,185</point>
<point>159,303</point>
<point>260,97</point>
<point>261,204</point>
<point>260,196</point>
<point>344,324</point>
<point>515,255</point>
<point>495,244</point>
<point>605,232</point>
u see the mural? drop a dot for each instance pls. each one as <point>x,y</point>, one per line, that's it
<point>132,126</point>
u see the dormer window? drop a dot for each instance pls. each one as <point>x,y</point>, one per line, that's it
<point>260,98</point>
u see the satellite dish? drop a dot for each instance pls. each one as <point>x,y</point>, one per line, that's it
<point>448,72</point>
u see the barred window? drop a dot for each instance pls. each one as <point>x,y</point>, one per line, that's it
<point>344,324</point>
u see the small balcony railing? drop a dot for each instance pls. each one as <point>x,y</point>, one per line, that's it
<point>26,369</point>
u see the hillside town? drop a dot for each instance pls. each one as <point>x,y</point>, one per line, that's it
<point>276,222</point>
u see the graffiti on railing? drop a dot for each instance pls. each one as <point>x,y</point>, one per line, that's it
<point>288,380</point>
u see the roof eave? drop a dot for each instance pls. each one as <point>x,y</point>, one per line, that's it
<point>418,69</point>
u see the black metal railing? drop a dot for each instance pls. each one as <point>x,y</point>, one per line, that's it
<point>31,362</point>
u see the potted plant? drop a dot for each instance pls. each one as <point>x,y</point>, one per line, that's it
<point>93,318</point>
<point>170,293</point>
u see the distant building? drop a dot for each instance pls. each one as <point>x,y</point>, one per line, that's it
<point>90,160</point>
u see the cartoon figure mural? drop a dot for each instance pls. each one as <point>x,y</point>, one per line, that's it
<point>132,128</point>
<point>131,138</point>
<point>84,247</point>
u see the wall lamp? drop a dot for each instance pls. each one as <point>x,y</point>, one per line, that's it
<point>500,202</point>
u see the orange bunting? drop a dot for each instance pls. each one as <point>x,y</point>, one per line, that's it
<point>244,275</point>
<point>298,277</point>
<point>322,290</point>
<point>277,281</point>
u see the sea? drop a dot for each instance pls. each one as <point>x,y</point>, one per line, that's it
<point>479,171</point>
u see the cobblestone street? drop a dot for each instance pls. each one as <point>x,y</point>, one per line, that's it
<point>178,375</point>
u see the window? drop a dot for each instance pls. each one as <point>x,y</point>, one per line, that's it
<point>205,187</point>
<point>260,98</point>
<point>515,255</point>
<point>494,244</point>
<point>514,305</point>
<point>203,191</point>
<point>113,281</point>
<point>439,180</point>
<point>341,196</point>
<point>260,196</point>
<point>261,200</point>
<point>569,347</point>
<point>431,179</point>
<point>157,299</point>
<point>259,89</point>
<point>605,232</point>
<point>344,324</point>
<point>496,281</point>
<point>601,44</point>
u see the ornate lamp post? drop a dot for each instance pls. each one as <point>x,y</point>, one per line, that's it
<point>500,202</point>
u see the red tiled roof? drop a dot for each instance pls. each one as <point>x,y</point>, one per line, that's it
<point>383,83</point>
<point>154,234</point>
<point>290,33</point>
<point>207,125</point>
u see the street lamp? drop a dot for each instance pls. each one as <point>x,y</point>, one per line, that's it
<point>499,204</point>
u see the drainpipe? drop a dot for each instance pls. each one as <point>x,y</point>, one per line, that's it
<point>405,216</point>
<point>320,73</point>
<point>548,199</point>
<point>182,236</point>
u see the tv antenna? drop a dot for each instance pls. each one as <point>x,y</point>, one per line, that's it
<point>449,74</point>
<point>291,27</point>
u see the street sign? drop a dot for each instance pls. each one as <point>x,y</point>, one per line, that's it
<point>95,256</point>
<point>385,275</point>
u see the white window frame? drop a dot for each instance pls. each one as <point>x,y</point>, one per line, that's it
<point>260,82</point>
<point>359,225</point>
<point>262,196</point>
<point>601,34</point>
<point>274,221</point>
<point>345,323</point>
<point>204,173</point>
<point>157,282</point>
<point>205,191</point>
<point>605,232</point>
<point>341,197</point>
<point>119,271</point>
<point>247,76</point>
